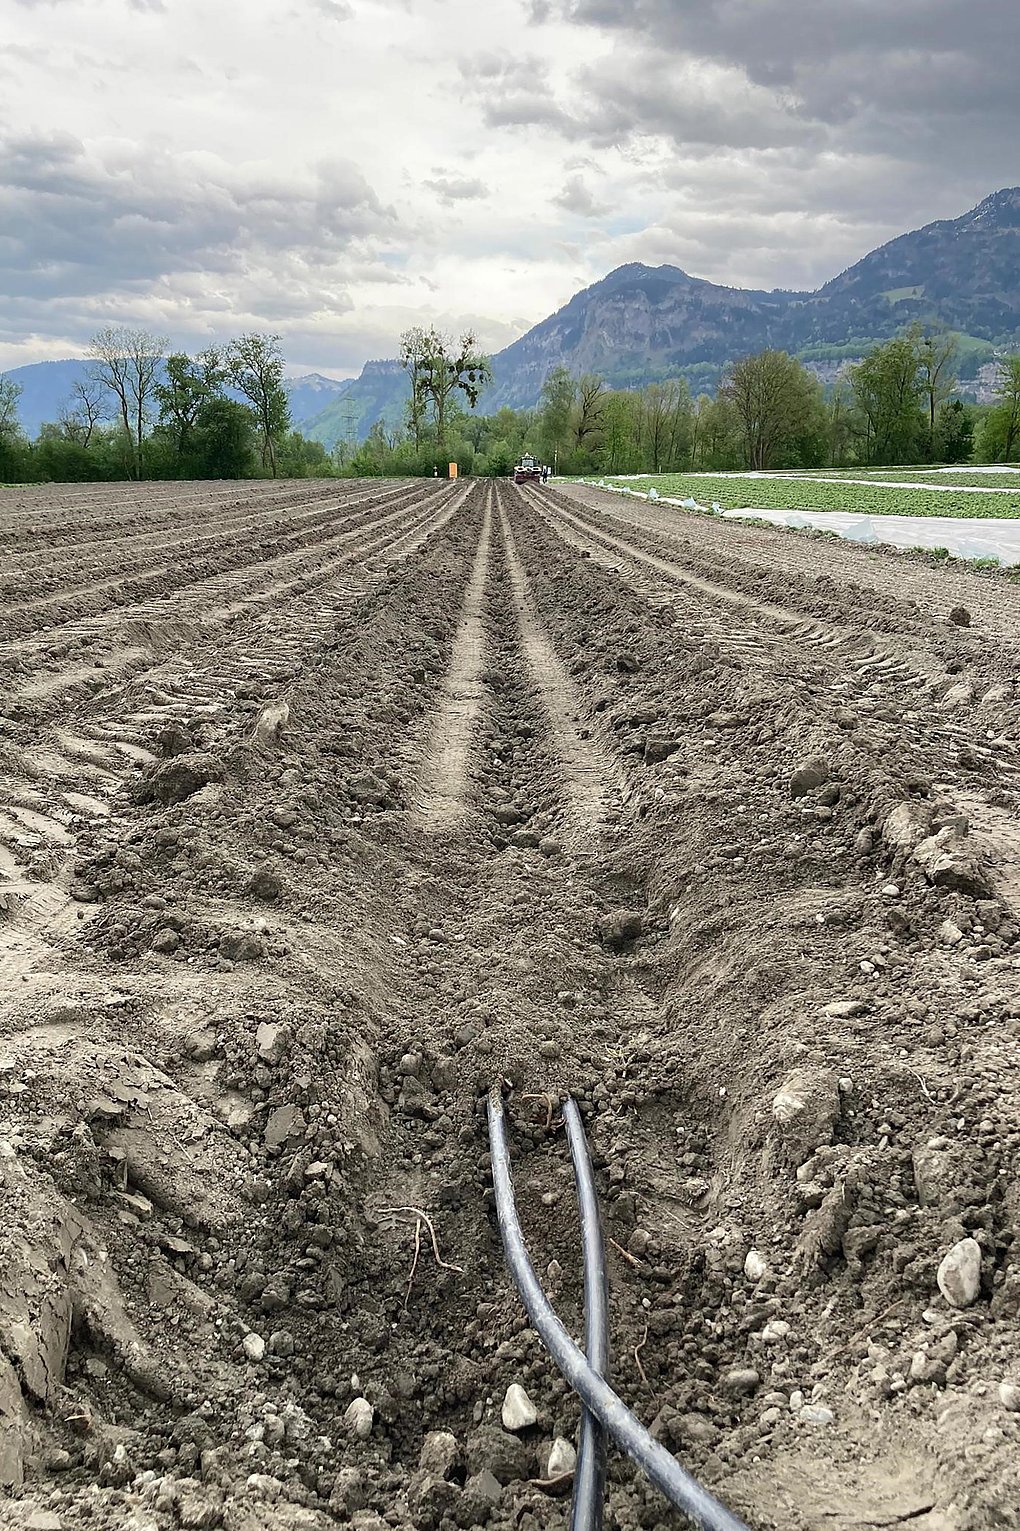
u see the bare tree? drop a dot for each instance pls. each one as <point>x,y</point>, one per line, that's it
<point>127,364</point>
<point>591,402</point>
<point>936,354</point>
<point>84,410</point>
<point>10,393</point>
<point>413,359</point>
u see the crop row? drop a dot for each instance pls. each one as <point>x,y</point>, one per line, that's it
<point>962,478</point>
<point>735,493</point>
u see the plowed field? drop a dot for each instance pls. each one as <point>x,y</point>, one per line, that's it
<point>323,806</point>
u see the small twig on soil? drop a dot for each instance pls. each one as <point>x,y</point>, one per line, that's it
<point>637,1361</point>
<point>924,1087</point>
<point>630,1259</point>
<point>414,1262</point>
<point>875,1322</point>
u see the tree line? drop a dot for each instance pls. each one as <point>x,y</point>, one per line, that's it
<point>896,405</point>
<point>144,411</point>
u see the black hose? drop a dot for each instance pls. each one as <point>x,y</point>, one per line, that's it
<point>590,1474</point>
<point>683,1491</point>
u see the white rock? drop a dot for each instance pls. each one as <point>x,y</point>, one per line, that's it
<point>254,1346</point>
<point>787,1104</point>
<point>777,1329</point>
<point>815,1414</point>
<point>959,1275</point>
<point>518,1410</point>
<point>439,1453</point>
<point>271,1041</point>
<point>562,1458</point>
<point>1009,1396</point>
<point>358,1419</point>
<point>754,1265</point>
<point>891,890</point>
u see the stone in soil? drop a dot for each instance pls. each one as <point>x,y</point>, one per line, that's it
<point>518,1410</point>
<point>959,1273</point>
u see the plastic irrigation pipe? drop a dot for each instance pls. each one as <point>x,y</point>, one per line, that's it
<point>683,1491</point>
<point>590,1474</point>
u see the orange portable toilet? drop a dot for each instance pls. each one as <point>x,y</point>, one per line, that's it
<point>453,470</point>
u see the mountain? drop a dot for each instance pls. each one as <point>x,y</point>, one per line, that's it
<point>641,322</point>
<point>311,394</point>
<point>379,393</point>
<point>638,323</point>
<point>46,390</point>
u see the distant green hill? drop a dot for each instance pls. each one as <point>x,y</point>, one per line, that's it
<point>380,393</point>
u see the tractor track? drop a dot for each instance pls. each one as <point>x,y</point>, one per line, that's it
<point>501,788</point>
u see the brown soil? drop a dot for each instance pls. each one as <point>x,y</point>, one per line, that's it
<point>324,806</point>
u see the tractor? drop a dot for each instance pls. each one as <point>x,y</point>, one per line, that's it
<point>528,471</point>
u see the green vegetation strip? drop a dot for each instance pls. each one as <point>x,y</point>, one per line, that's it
<point>1003,482</point>
<point>735,493</point>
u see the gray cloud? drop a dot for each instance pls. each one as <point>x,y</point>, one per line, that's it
<point>863,66</point>
<point>77,222</point>
<point>576,197</point>
<point>182,243</point>
<point>451,189</point>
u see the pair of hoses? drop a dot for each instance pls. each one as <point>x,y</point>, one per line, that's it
<point>604,1415</point>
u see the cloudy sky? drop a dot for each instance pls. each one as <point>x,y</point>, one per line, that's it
<point>335,170</point>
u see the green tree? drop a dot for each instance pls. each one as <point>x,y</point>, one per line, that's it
<point>441,371</point>
<point>839,425</point>
<point>779,406</point>
<point>953,439</point>
<point>255,365</point>
<point>222,440</point>
<point>10,396</point>
<point>665,426</point>
<point>301,457</point>
<point>127,363</point>
<point>998,437</point>
<point>556,410</point>
<point>620,431</point>
<point>13,446</point>
<point>61,460</point>
<point>888,400</point>
<point>186,385</point>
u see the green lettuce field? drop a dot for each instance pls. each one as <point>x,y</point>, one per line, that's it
<point>734,492</point>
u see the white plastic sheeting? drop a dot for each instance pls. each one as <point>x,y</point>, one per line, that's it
<point>972,537</point>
